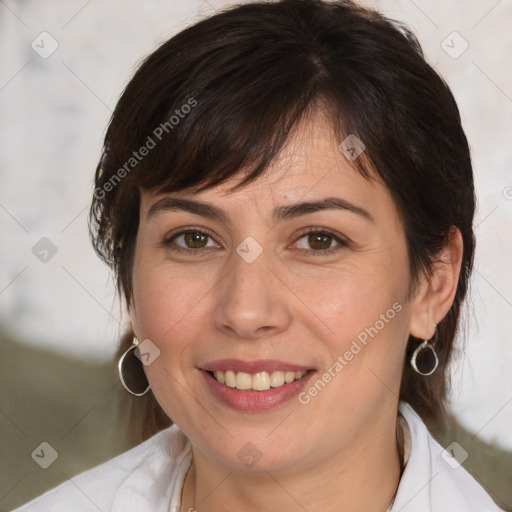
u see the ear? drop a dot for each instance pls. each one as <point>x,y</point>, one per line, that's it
<point>435,293</point>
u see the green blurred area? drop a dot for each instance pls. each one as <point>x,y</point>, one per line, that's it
<point>74,406</point>
<point>68,403</point>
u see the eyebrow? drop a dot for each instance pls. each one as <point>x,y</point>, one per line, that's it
<point>279,213</point>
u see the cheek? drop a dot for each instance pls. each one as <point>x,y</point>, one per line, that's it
<point>168,313</point>
<point>352,298</point>
<point>363,306</point>
<point>167,302</point>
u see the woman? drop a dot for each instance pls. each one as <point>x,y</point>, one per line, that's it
<point>286,198</point>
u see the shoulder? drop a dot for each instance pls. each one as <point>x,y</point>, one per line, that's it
<point>141,479</point>
<point>433,479</point>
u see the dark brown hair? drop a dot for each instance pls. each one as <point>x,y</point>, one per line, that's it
<point>222,97</point>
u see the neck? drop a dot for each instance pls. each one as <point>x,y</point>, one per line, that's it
<point>362,477</point>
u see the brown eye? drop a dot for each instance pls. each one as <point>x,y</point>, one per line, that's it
<point>320,242</point>
<point>195,239</point>
<point>190,240</point>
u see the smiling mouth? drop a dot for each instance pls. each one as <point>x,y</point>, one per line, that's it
<point>261,381</point>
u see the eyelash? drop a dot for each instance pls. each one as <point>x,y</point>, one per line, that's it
<point>324,252</point>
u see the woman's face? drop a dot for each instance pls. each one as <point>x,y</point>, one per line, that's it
<point>275,287</point>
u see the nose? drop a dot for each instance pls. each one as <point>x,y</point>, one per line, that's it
<point>251,302</point>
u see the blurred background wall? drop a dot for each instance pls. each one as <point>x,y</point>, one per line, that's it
<point>62,68</point>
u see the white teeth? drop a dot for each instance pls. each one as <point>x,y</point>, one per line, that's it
<point>243,380</point>
<point>229,378</point>
<point>261,381</point>
<point>277,379</point>
<point>289,377</point>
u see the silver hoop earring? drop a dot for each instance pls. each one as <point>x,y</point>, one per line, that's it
<point>428,356</point>
<point>131,372</point>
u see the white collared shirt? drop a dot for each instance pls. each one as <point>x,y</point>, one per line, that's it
<point>149,478</point>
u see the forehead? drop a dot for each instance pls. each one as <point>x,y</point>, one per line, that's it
<point>310,166</point>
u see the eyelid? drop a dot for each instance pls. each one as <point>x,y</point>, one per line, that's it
<point>183,231</point>
<point>342,241</point>
<point>320,229</point>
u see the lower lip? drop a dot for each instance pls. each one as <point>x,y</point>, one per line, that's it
<point>256,400</point>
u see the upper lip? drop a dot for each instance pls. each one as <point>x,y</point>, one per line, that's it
<point>256,366</point>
